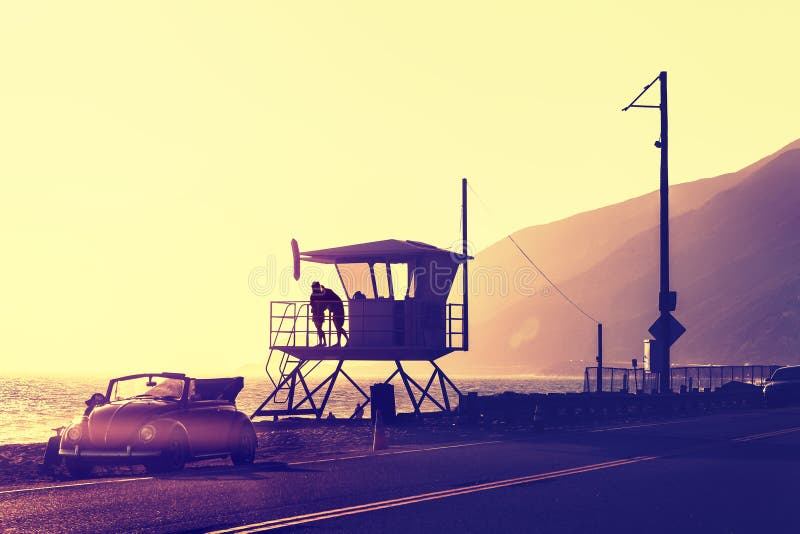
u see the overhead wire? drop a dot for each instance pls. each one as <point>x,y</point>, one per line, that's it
<point>530,260</point>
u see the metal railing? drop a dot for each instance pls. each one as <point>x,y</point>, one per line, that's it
<point>291,324</point>
<point>698,377</point>
<point>286,361</point>
<point>621,380</point>
<point>453,319</point>
<point>685,378</point>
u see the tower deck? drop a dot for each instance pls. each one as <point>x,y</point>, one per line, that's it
<point>361,353</point>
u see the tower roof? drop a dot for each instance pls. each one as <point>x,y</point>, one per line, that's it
<point>387,250</point>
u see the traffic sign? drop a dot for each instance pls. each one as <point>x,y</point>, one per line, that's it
<point>667,329</point>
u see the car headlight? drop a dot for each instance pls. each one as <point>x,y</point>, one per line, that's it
<point>147,433</point>
<point>74,433</point>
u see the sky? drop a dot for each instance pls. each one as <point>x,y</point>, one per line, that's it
<point>157,157</point>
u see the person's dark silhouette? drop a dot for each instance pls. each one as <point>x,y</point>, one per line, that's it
<point>323,298</point>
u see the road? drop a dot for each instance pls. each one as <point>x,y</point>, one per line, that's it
<point>729,472</point>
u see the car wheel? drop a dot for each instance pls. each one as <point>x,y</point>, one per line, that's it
<point>78,468</point>
<point>243,445</point>
<point>173,455</point>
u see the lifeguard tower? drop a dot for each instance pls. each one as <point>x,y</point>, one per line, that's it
<point>397,309</point>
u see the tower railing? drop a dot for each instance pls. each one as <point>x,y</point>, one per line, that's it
<point>291,324</point>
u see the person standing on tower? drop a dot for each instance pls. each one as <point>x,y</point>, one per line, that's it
<point>322,299</point>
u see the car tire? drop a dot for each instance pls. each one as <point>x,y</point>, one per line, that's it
<point>173,455</point>
<point>243,445</point>
<point>78,468</point>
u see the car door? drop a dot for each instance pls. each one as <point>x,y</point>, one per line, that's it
<point>211,413</point>
<point>201,421</point>
<point>222,423</point>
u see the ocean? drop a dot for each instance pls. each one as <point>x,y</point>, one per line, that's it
<point>30,407</point>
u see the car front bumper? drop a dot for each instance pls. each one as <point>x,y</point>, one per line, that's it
<point>77,452</point>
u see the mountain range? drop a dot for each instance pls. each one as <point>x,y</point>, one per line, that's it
<point>735,250</point>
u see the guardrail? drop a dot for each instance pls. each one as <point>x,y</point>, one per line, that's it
<point>538,411</point>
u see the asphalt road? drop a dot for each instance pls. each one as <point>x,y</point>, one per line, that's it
<point>733,472</point>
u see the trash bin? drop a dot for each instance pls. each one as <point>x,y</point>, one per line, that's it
<point>468,407</point>
<point>382,398</point>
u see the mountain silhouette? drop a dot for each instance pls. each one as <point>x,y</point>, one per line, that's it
<point>735,251</point>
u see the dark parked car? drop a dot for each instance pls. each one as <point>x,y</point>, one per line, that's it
<point>160,420</point>
<point>783,387</point>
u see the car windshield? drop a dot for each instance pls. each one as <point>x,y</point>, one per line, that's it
<point>156,387</point>
<point>787,373</point>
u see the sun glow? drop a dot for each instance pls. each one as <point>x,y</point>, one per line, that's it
<point>155,155</point>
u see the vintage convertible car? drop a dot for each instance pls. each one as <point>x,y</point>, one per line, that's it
<point>160,420</point>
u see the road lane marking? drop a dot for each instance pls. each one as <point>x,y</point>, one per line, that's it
<point>464,490</point>
<point>73,485</point>
<point>391,453</point>
<point>644,425</point>
<point>768,434</point>
<point>405,451</point>
<point>323,460</point>
<point>412,499</point>
<point>625,427</point>
<point>790,409</point>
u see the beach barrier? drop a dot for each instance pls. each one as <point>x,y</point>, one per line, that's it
<point>553,410</point>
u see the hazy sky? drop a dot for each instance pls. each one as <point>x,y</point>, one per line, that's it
<point>153,154</point>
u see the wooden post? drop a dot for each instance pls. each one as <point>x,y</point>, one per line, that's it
<point>599,357</point>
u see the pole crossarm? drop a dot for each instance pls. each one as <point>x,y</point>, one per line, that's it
<point>633,103</point>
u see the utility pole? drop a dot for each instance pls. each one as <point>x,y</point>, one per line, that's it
<point>666,329</point>
<point>666,298</point>
<point>663,144</point>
